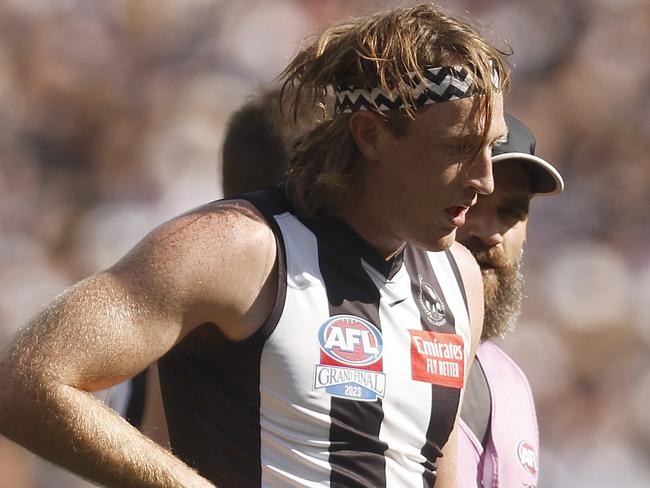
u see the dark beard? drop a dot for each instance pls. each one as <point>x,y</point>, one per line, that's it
<point>503,292</point>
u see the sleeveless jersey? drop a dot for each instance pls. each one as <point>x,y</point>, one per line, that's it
<point>510,458</point>
<point>353,381</point>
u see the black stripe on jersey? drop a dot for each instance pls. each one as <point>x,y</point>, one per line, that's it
<point>136,404</point>
<point>356,453</point>
<point>444,400</point>
<point>459,278</point>
<point>210,389</point>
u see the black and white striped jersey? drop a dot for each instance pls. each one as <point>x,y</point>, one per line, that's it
<point>353,381</point>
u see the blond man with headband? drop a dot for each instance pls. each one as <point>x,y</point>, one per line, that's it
<point>314,334</point>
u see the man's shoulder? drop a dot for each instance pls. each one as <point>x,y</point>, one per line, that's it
<point>215,263</point>
<point>207,241</point>
<point>231,222</point>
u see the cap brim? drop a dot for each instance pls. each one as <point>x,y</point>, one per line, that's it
<point>545,179</point>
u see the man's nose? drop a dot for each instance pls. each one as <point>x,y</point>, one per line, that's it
<point>483,225</point>
<point>479,173</point>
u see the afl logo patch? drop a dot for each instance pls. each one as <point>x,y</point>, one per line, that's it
<point>350,366</point>
<point>527,457</point>
<point>351,341</point>
<point>430,303</point>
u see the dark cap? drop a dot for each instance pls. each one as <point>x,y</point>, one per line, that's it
<point>520,146</point>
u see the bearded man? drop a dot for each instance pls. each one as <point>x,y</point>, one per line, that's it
<point>498,436</point>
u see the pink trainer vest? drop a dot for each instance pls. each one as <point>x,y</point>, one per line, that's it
<point>510,459</point>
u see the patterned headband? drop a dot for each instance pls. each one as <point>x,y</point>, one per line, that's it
<point>440,84</point>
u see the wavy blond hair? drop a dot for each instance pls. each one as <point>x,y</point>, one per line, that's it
<point>380,50</point>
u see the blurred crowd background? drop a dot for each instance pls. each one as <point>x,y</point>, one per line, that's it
<point>112,114</point>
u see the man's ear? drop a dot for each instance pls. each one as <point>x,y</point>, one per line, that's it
<point>366,127</point>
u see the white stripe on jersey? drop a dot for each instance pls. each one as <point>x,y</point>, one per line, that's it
<point>405,422</point>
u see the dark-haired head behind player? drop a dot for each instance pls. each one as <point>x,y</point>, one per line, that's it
<point>255,147</point>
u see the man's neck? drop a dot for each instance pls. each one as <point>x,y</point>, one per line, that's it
<point>357,210</point>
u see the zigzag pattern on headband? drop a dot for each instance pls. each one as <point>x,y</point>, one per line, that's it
<point>440,84</point>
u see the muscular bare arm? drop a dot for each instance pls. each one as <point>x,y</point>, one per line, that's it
<point>473,283</point>
<point>215,264</point>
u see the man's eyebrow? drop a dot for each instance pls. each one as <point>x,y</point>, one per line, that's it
<point>498,139</point>
<point>473,139</point>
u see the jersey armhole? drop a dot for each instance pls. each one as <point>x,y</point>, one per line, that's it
<point>270,203</point>
<point>271,321</point>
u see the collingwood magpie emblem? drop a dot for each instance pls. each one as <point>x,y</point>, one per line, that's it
<point>430,303</point>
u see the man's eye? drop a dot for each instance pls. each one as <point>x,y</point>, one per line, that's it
<point>497,143</point>
<point>501,140</point>
<point>462,149</point>
<point>512,213</point>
